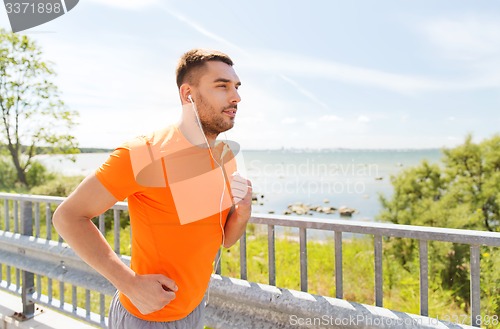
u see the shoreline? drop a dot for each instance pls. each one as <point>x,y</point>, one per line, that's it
<point>346,177</point>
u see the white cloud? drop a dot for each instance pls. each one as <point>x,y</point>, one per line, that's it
<point>467,38</point>
<point>470,40</point>
<point>454,139</point>
<point>289,121</point>
<point>364,119</point>
<point>115,93</point>
<point>305,92</point>
<point>199,27</point>
<point>246,55</point>
<point>127,4</point>
<point>120,87</point>
<point>330,118</point>
<point>287,64</point>
<point>313,125</point>
<point>290,64</point>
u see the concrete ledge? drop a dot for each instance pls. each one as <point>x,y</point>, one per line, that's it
<point>238,304</point>
<point>44,318</point>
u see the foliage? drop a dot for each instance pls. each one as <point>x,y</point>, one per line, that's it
<point>7,174</point>
<point>490,280</point>
<point>58,186</point>
<point>401,286</point>
<point>473,177</point>
<point>32,113</point>
<point>35,175</point>
<point>463,192</point>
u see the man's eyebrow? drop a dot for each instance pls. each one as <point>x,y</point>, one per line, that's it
<point>224,80</point>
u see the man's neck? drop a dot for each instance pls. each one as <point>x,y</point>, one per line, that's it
<point>195,135</point>
<point>211,138</point>
<point>190,128</point>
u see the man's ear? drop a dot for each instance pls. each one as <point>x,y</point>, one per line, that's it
<point>184,92</point>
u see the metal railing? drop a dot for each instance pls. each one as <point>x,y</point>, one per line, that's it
<point>474,239</point>
<point>22,235</point>
<point>29,252</point>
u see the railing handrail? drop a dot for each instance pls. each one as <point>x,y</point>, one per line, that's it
<point>39,254</point>
<point>121,205</point>
<point>471,237</point>
<point>428,233</point>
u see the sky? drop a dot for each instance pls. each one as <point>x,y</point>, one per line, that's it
<point>315,74</point>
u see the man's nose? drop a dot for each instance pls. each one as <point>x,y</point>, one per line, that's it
<point>235,96</point>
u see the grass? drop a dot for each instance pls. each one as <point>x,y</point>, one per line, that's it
<point>401,287</point>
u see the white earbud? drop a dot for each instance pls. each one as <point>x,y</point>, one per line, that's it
<point>190,99</point>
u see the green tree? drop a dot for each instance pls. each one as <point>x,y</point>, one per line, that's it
<point>473,175</point>
<point>461,192</point>
<point>465,186</point>
<point>33,115</point>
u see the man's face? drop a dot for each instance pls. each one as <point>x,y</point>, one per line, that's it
<point>216,97</point>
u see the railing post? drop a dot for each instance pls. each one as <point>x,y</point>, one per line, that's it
<point>339,290</point>
<point>48,220</point>
<point>475,289</point>
<point>272,254</point>
<point>102,308</point>
<point>218,261</point>
<point>16,216</point>
<point>243,256</point>
<point>27,277</point>
<point>303,258</point>
<point>424,278</point>
<point>6,215</point>
<point>378,271</point>
<point>102,224</point>
<point>116,229</point>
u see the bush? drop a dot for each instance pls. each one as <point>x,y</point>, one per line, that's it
<point>7,174</point>
<point>58,186</point>
<point>463,192</point>
<point>37,174</point>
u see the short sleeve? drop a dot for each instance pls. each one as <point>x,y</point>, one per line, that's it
<point>117,176</point>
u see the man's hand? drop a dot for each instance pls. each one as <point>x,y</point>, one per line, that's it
<point>151,292</point>
<point>241,189</point>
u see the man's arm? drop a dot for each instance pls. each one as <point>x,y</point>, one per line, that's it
<point>72,219</point>
<point>238,217</point>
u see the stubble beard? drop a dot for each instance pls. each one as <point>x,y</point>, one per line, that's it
<point>213,121</point>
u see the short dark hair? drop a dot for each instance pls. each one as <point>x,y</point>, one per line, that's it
<point>195,59</point>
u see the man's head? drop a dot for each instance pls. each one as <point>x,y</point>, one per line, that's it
<point>207,79</point>
<point>192,64</point>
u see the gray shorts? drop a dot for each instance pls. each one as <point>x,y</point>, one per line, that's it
<point>120,318</point>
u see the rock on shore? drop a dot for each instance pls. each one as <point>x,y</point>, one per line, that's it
<point>300,208</point>
<point>346,211</point>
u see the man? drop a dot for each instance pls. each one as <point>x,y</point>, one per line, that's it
<point>184,201</point>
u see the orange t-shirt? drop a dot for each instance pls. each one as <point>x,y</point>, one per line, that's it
<point>178,200</point>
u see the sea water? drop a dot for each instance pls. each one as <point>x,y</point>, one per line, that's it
<point>350,178</point>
